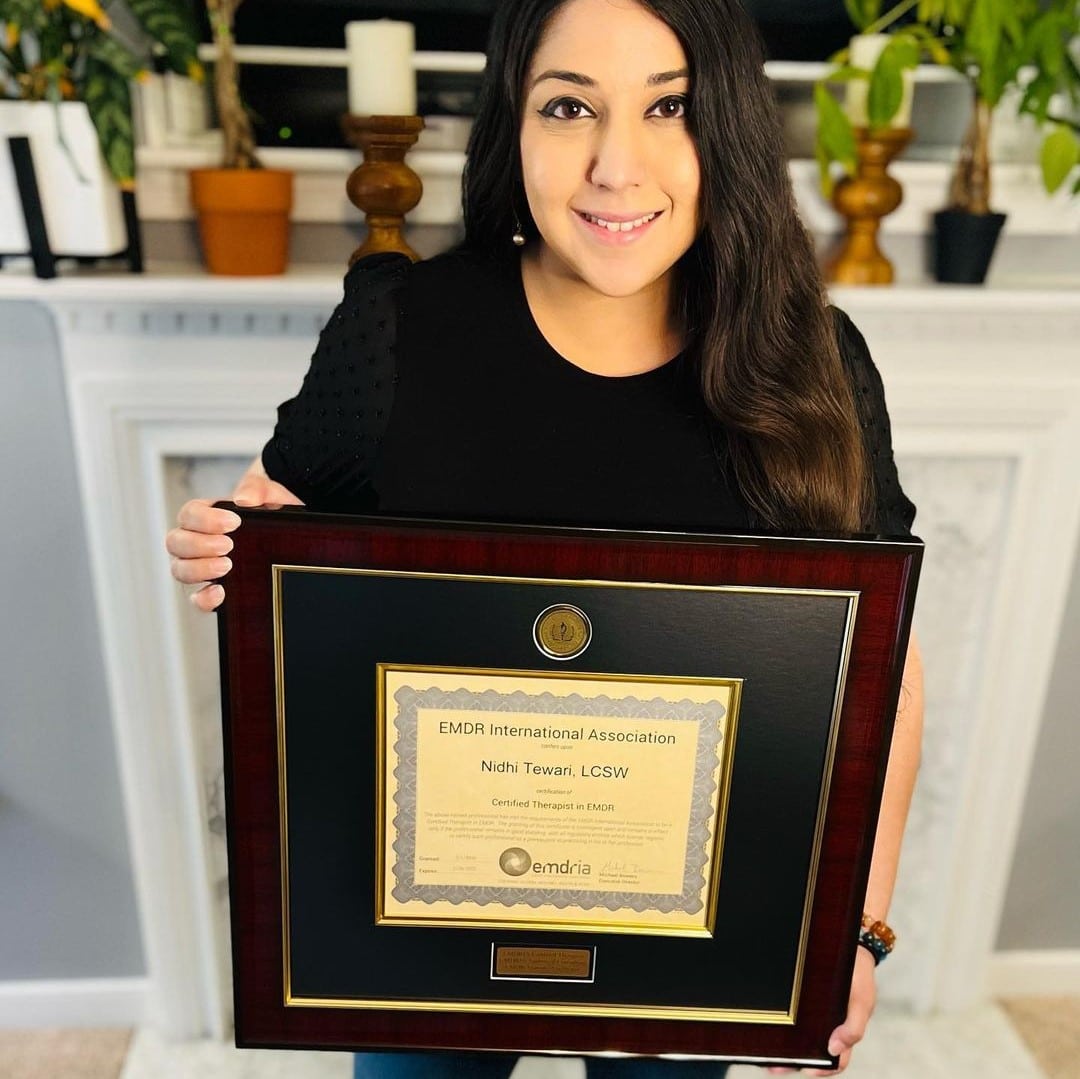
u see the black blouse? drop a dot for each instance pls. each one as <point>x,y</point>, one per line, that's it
<point>432,392</point>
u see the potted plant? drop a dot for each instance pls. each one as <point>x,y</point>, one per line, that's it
<point>66,72</point>
<point>243,209</point>
<point>1001,46</point>
<point>1019,48</point>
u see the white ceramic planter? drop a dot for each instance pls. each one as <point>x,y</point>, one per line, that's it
<point>81,201</point>
<point>865,50</point>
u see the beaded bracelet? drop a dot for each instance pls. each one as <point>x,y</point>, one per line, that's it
<point>876,937</point>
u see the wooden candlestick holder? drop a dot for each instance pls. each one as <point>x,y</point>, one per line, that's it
<point>864,200</point>
<point>382,185</point>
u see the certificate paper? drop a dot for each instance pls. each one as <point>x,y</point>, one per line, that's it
<point>561,801</point>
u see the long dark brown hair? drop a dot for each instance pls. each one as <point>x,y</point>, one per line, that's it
<point>749,291</point>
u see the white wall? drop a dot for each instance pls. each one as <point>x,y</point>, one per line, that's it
<point>1042,907</point>
<point>67,903</point>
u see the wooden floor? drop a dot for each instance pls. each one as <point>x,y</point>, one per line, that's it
<point>1050,1026</point>
<point>1023,1038</point>
<point>63,1054</point>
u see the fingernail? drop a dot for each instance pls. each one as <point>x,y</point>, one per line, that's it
<point>224,564</point>
<point>217,593</point>
<point>226,545</point>
<point>233,520</point>
<point>836,1047</point>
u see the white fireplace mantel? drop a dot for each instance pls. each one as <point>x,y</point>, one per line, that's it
<point>984,391</point>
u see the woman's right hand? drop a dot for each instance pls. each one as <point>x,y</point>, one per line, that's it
<point>200,543</point>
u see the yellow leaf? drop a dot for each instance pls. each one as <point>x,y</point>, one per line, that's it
<point>195,71</point>
<point>12,35</point>
<point>92,10</point>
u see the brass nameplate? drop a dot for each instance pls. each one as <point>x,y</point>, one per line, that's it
<point>541,962</point>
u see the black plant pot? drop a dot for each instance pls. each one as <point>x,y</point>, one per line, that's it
<point>964,245</point>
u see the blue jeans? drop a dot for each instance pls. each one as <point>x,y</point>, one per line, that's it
<point>500,1065</point>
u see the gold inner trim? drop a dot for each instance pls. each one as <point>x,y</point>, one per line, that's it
<point>547,1008</point>
<point>598,1011</point>
<point>283,785</point>
<point>823,801</point>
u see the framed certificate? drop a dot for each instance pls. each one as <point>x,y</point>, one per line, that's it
<point>553,790</point>
<point>552,799</point>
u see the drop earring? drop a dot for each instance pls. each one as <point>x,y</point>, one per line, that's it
<point>519,236</point>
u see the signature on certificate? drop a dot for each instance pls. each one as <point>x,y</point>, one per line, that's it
<point>620,867</point>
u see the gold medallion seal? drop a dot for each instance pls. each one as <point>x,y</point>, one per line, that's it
<point>562,631</point>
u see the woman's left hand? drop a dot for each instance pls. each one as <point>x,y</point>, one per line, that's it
<point>860,1007</point>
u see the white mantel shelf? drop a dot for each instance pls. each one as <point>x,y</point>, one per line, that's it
<point>314,284</point>
<point>175,367</point>
<point>177,284</point>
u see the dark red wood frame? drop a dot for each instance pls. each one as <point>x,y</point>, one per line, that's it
<point>885,574</point>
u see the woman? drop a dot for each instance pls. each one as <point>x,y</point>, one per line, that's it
<point>633,333</point>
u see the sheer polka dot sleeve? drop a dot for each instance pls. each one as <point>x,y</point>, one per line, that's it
<point>893,510</point>
<point>326,438</point>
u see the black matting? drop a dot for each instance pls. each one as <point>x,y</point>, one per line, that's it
<point>787,649</point>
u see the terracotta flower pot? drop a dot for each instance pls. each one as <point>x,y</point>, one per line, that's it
<point>243,219</point>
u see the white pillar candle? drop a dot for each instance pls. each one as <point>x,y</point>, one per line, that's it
<point>382,81</point>
<point>865,50</point>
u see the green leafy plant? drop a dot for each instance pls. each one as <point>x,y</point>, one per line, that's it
<point>69,50</point>
<point>997,46</point>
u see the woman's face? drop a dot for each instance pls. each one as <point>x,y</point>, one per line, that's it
<point>610,170</point>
